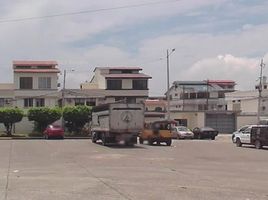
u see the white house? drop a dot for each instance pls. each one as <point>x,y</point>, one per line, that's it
<point>35,83</point>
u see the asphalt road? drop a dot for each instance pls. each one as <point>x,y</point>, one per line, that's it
<point>79,169</point>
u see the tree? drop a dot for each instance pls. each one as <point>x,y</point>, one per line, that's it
<point>44,116</point>
<point>76,117</point>
<point>10,116</point>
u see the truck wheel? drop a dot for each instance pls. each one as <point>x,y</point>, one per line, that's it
<point>140,140</point>
<point>258,144</point>
<point>94,137</point>
<point>169,142</point>
<point>150,141</point>
<point>238,142</point>
<point>103,139</point>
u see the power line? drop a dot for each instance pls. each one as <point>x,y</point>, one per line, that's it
<point>86,11</point>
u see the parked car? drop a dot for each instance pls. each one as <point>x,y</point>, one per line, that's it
<point>182,132</point>
<point>240,130</point>
<point>54,131</point>
<point>205,132</point>
<point>254,135</point>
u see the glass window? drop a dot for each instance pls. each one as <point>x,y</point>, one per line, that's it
<point>139,84</point>
<point>114,84</point>
<point>44,82</point>
<point>78,102</point>
<point>26,83</point>
<point>28,102</point>
<point>40,102</point>
<point>2,102</point>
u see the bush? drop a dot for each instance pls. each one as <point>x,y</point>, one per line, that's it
<point>44,116</point>
<point>76,117</point>
<point>9,116</point>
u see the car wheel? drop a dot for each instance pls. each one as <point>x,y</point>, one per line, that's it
<point>213,138</point>
<point>238,142</point>
<point>258,144</point>
<point>141,140</point>
<point>150,141</point>
<point>199,136</point>
<point>103,139</point>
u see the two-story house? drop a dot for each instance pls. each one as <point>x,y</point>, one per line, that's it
<point>111,84</point>
<point>35,83</point>
<point>6,94</point>
<point>200,95</point>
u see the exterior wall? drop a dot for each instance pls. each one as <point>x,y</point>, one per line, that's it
<point>194,119</point>
<point>54,79</point>
<point>242,120</point>
<point>126,83</point>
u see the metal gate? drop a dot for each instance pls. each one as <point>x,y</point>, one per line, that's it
<point>223,122</point>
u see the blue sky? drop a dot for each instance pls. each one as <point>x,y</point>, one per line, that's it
<point>214,39</point>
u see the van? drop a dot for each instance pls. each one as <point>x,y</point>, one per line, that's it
<point>256,135</point>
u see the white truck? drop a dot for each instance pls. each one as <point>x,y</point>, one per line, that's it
<point>117,123</point>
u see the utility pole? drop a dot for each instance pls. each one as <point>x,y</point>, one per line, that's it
<point>168,95</point>
<point>260,92</point>
<point>63,89</point>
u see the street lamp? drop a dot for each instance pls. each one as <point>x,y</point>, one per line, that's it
<point>168,96</point>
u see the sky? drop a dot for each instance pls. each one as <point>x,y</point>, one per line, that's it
<point>213,39</point>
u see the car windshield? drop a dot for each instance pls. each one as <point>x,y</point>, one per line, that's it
<point>182,128</point>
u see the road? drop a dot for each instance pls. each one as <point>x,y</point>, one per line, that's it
<point>79,169</point>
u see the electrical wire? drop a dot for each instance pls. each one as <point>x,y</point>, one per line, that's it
<point>85,11</point>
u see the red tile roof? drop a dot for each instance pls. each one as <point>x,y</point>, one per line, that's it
<point>155,102</point>
<point>34,63</point>
<point>127,76</point>
<point>54,70</point>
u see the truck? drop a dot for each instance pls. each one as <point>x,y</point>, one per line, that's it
<point>256,135</point>
<point>117,123</point>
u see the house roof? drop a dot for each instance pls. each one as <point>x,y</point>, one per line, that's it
<point>52,70</point>
<point>222,82</point>
<point>119,68</point>
<point>155,102</point>
<point>34,63</point>
<point>127,76</point>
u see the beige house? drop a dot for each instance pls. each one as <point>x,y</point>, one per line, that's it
<point>35,83</point>
<point>111,84</point>
<point>155,109</point>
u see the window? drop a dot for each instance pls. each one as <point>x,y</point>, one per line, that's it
<point>2,102</point>
<point>139,84</point>
<point>114,84</point>
<point>26,83</point>
<point>202,95</point>
<point>158,109</point>
<point>28,102</point>
<point>79,102</point>
<point>44,82</point>
<point>40,102</point>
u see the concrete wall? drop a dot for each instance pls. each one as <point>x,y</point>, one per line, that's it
<point>242,120</point>
<point>23,127</point>
<point>194,119</point>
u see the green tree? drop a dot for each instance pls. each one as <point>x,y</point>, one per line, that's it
<point>76,117</point>
<point>10,116</point>
<point>44,116</point>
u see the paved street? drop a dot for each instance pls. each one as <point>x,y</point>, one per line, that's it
<point>79,169</point>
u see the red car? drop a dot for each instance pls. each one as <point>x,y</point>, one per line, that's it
<point>54,131</point>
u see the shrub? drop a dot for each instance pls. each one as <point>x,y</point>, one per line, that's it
<point>44,116</point>
<point>9,116</point>
<point>76,117</point>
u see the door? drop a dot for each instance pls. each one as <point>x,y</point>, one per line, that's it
<point>245,136</point>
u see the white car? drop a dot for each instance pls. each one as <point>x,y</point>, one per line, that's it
<point>182,132</point>
<point>239,131</point>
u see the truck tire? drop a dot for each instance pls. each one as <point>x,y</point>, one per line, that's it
<point>104,140</point>
<point>238,142</point>
<point>258,144</point>
<point>94,137</point>
<point>141,140</point>
<point>169,142</point>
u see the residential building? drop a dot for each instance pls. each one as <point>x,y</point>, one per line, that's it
<point>35,83</point>
<point>6,94</point>
<point>155,109</point>
<point>112,84</point>
<point>200,95</point>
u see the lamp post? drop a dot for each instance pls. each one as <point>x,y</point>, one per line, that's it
<point>168,96</point>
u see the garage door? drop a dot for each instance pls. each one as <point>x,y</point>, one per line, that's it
<point>223,122</point>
